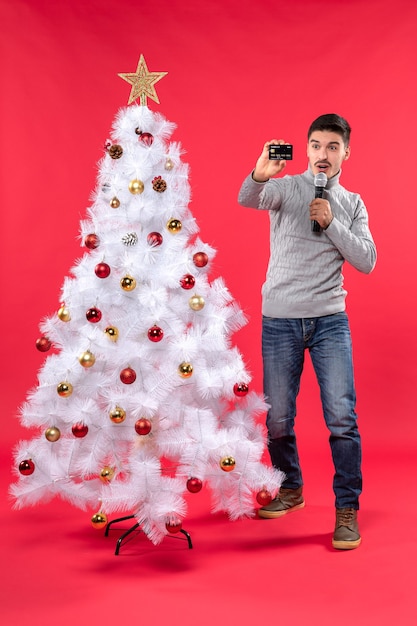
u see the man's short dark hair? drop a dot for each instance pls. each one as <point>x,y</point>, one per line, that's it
<point>333,123</point>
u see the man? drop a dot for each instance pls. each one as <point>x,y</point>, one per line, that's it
<point>303,308</point>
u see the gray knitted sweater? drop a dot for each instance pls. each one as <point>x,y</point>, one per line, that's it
<point>304,276</point>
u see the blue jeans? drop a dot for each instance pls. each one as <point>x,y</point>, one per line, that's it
<point>328,340</point>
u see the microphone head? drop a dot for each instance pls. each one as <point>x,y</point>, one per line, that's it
<point>320,180</point>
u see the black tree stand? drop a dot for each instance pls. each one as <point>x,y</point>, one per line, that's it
<point>136,526</point>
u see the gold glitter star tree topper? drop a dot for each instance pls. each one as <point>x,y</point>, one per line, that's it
<point>143,83</point>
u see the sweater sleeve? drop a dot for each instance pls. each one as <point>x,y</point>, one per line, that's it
<point>355,244</point>
<point>265,196</point>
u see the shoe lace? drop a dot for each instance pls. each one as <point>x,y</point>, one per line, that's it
<point>345,517</point>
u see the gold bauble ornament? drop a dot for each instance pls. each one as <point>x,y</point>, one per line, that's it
<point>106,474</point>
<point>117,415</point>
<point>227,463</point>
<point>185,369</point>
<point>112,333</point>
<point>52,433</point>
<point>136,186</point>
<point>128,283</point>
<point>169,164</point>
<point>99,520</point>
<point>174,225</point>
<point>87,359</point>
<point>115,203</point>
<point>196,303</point>
<point>64,389</point>
<point>64,314</point>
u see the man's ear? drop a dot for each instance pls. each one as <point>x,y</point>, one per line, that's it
<point>347,153</point>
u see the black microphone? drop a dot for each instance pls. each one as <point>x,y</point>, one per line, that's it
<point>320,182</point>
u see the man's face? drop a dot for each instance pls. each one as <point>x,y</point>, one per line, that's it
<point>326,151</point>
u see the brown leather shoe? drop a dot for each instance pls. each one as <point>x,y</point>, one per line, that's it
<point>286,501</point>
<point>346,533</point>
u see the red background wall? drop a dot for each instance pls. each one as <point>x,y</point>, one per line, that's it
<point>239,73</point>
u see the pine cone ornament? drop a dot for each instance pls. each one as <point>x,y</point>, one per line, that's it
<point>115,151</point>
<point>130,239</point>
<point>159,184</point>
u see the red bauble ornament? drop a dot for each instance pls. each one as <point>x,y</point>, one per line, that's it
<point>155,334</point>
<point>174,526</point>
<point>155,239</point>
<point>143,426</point>
<point>187,281</point>
<point>91,241</point>
<point>263,497</point>
<point>240,389</point>
<point>26,467</point>
<point>79,430</point>
<point>194,485</point>
<point>200,259</point>
<point>43,344</point>
<point>128,376</point>
<point>93,315</point>
<point>102,270</point>
<point>146,139</point>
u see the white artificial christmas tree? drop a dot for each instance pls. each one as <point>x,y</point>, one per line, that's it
<point>143,399</point>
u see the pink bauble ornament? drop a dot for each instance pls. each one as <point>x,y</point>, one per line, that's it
<point>194,485</point>
<point>128,376</point>
<point>102,270</point>
<point>93,315</point>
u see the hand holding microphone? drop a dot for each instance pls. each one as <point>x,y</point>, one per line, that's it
<point>320,211</point>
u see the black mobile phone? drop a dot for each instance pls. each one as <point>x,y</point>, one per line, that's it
<point>280,152</point>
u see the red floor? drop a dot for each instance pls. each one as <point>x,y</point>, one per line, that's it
<point>57,569</point>
<point>238,72</point>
